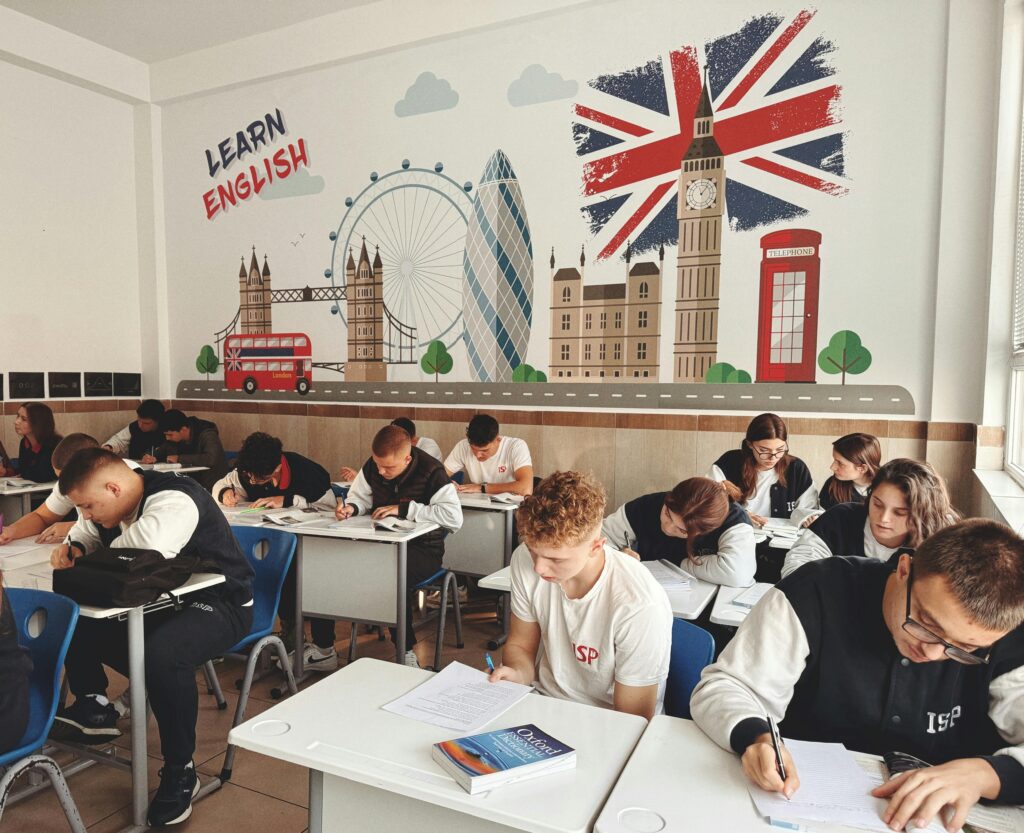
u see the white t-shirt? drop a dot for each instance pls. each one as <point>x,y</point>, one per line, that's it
<point>760,503</point>
<point>500,467</point>
<point>428,446</point>
<point>620,631</point>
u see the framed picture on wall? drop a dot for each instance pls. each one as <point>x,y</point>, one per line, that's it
<point>127,384</point>
<point>27,386</point>
<point>65,385</point>
<point>99,384</point>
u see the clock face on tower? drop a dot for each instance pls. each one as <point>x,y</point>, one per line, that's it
<point>701,193</point>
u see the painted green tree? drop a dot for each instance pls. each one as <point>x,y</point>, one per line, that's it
<point>527,373</point>
<point>206,361</point>
<point>437,360</point>
<point>844,354</point>
<point>723,372</point>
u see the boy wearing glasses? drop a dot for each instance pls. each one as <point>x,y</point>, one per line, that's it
<point>856,651</point>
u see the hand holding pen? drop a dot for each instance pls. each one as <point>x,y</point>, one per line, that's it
<point>768,764</point>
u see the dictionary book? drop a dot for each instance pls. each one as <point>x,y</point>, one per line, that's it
<point>493,759</point>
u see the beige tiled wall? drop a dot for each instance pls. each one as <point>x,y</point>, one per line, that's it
<point>631,454</point>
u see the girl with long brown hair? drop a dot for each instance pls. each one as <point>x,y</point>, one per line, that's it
<point>855,462</point>
<point>695,523</point>
<point>763,477</point>
<point>39,437</point>
<point>907,503</point>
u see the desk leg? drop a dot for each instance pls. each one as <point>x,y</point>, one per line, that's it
<point>300,623</point>
<point>510,520</point>
<point>316,801</point>
<point>26,504</point>
<point>139,717</point>
<point>400,612</point>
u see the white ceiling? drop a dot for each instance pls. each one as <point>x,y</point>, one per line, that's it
<point>154,30</point>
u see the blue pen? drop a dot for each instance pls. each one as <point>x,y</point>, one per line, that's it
<point>490,662</point>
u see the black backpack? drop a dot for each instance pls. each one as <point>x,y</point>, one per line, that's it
<point>123,577</point>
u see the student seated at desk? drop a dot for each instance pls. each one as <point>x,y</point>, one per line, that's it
<point>603,621</point>
<point>763,477</point>
<point>696,522</point>
<point>192,442</point>
<point>15,668</point>
<point>857,651</point>
<point>406,482</point>
<point>122,507</point>
<point>907,502</point>
<point>492,463</point>
<point>47,521</point>
<point>39,437</point>
<point>855,461</point>
<point>142,437</point>
<point>269,476</point>
<point>422,443</point>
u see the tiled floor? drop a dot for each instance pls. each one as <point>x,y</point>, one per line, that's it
<point>263,794</point>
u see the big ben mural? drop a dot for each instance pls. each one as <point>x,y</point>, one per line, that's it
<point>700,209</point>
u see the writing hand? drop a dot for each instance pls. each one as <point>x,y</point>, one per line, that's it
<point>229,498</point>
<point>760,767</point>
<point>148,459</point>
<point>633,553</point>
<point>62,557</point>
<point>505,672</point>
<point>343,511</point>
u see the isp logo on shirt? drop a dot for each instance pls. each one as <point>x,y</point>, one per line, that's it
<point>502,469</point>
<point>585,654</point>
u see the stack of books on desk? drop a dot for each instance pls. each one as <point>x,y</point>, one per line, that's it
<point>16,483</point>
<point>493,759</point>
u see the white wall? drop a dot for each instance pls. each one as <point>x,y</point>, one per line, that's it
<point>68,236</point>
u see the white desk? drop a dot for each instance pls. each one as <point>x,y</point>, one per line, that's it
<point>689,604</point>
<point>354,572</point>
<point>501,580</point>
<point>16,501</point>
<point>725,612</point>
<point>371,770</point>
<point>38,575</point>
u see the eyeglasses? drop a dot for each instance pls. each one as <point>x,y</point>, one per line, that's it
<point>770,455</point>
<point>920,632</point>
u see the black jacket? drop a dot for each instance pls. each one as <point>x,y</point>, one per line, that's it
<point>783,498</point>
<point>306,479</point>
<point>826,501</point>
<point>35,465</point>
<point>202,449</point>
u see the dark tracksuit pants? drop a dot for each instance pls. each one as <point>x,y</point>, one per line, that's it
<point>177,642</point>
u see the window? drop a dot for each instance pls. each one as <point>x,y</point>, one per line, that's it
<point>274,367</point>
<point>641,319</point>
<point>565,321</point>
<point>300,341</point>
<point>1015,418</point>
<point>274,342</point>
<point>565,353</point>
<point>260,342</point>
<point>261,366</point>
<point>586,352</point>
<point>248,367</point>
<point>287,342</point>
<point>644,290</point>
<point>617,352</point>
<point>641,349</point>
<point>566,295</point>
<point>601,353</point>
<point>587,321</point>
<point>604,320</point>
<point>618,321</point>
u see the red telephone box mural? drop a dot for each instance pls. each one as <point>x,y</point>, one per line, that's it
<point>787,322</point>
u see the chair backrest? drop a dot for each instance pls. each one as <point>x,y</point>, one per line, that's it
<point>692,649</point>
<point>270,570</point>
<point>47,648</point>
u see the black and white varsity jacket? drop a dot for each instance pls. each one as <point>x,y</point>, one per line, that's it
<point>797,499</point>
<point>816,655</point>
<point>842,530</point>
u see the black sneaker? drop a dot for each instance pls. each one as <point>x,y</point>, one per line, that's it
<point>173,801</point>
<point>86,721</point>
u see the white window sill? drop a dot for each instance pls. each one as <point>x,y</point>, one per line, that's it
<point>1006,494</point>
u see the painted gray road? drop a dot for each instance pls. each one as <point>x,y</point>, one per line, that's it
<point>853,399</point>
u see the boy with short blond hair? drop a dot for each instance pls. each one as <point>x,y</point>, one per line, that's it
<point>605,623</point>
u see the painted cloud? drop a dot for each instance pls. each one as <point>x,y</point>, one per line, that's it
<point>428,94</point>
<point>536,85</point>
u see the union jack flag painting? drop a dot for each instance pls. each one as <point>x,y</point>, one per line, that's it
<point>777,117</point>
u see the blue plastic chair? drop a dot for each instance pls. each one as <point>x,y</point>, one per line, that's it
<point>693,648</point>
<point>270,571</point>
<point>48,649</point>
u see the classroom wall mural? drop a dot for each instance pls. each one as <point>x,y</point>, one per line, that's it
<point>669,212</point>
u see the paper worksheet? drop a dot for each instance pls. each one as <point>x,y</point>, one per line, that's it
<point>669,576</point>
<point>20,546</point>
<point>459,698</point>
<point>833,788</point>
<point>752,595</point>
